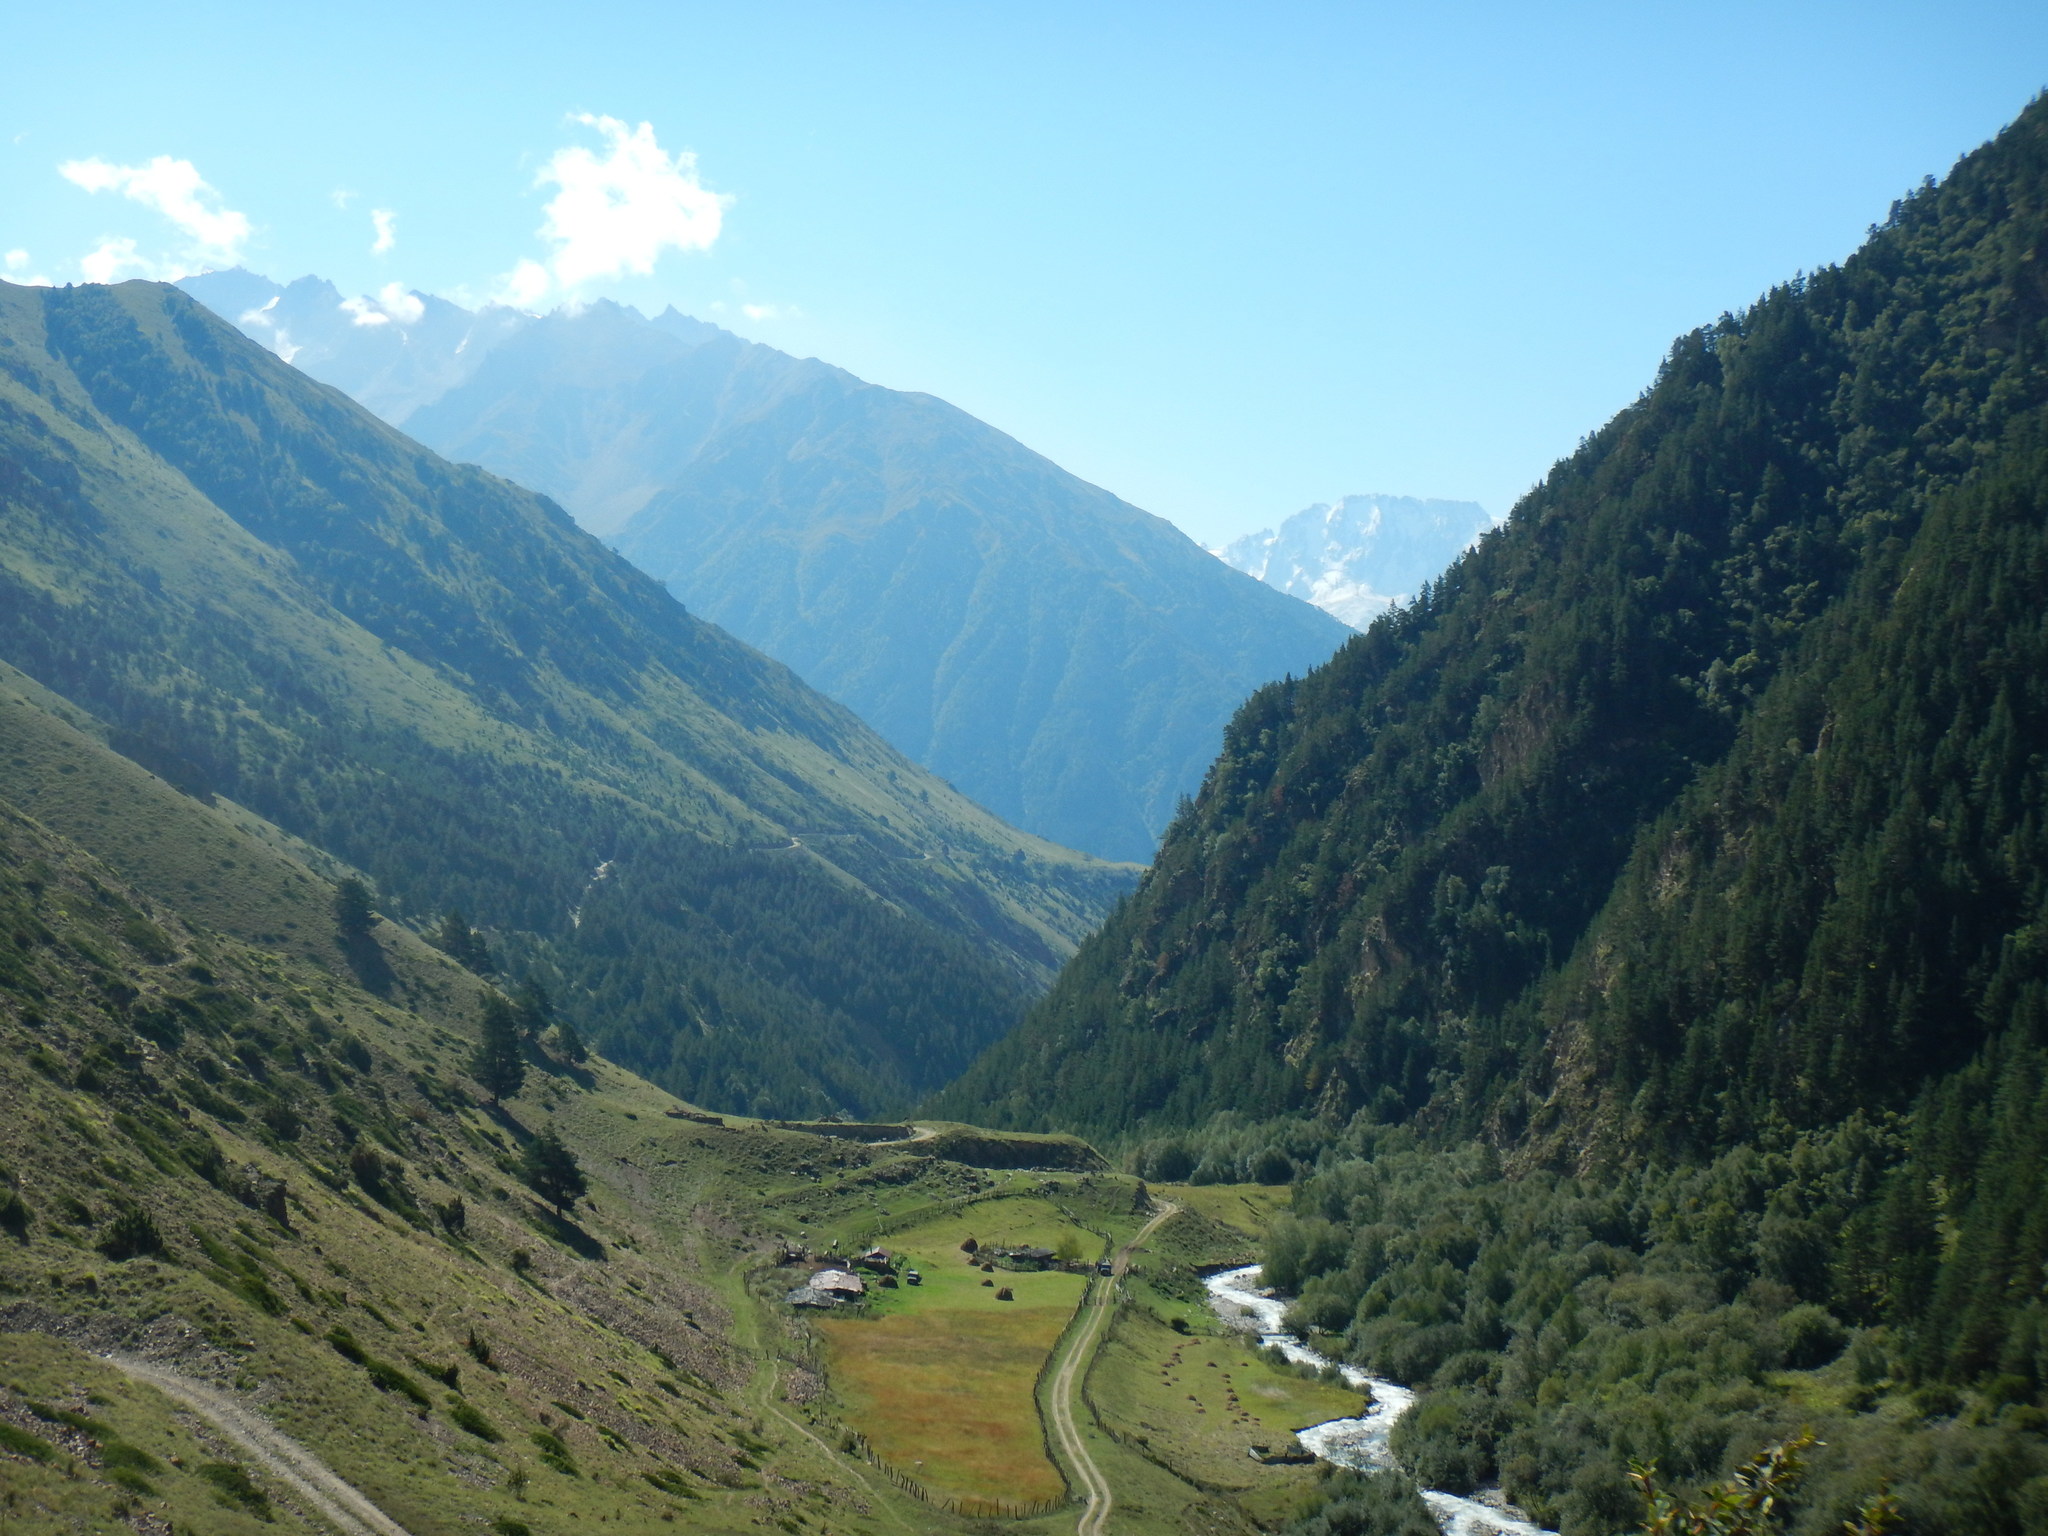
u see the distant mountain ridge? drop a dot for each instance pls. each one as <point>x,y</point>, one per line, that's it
<point>1064,658</point>
<point>1356,557</point>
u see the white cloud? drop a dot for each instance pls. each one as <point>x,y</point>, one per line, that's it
<point>113,260</point>
<point>385,222</point>
<point>617,210</point>
<point>392,303</point>
<point>173,188</point>
<point>771,311</point>
<point>16,263</point>
<point>523,287</point>
<point>341,197</point>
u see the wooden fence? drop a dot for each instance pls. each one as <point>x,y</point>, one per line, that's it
<point>974,1508</point>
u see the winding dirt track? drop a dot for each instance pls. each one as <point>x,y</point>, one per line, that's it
<point>278,1454</point>
<point>1099,1302</point>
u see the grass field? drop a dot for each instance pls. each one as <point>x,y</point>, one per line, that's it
<point>1249,1208</point>
<point>1200,1400</point>
<point>939,1376</point>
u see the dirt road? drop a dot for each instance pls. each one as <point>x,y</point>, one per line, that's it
<point>276,1452</point>
<point>1097,1305</point>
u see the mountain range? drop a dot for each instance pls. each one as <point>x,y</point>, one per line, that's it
<point>1065,659</point>
<point>1614,985</point>
<point>1357,557</point>
<point>265,594</point>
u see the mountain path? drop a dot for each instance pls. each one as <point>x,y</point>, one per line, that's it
<point>338,1502</point>
<point>1100,1302</point>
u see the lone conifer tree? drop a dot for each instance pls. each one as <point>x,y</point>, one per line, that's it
<point>498,1064</point>
<point>551,1171</point>
<point>353,913</point>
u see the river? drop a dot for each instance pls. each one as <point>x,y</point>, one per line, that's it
<point>1360,1444</point>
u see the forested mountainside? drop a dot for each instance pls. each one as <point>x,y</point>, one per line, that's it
<point>1637,946</point>
<point>1065,659</point>
<point>1703,795</point>
<point>254,587</point>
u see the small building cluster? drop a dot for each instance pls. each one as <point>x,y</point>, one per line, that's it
<point>840,1283</point>
<point>829,1288</point>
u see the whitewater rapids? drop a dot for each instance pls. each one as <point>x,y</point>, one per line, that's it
<point>1359,1444</point>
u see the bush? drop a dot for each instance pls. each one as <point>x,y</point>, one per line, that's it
<point>1810,1337</point>
<point>1375,1504</point>
<point>22,1443</point>
<point>231,1485</point>
<point>131,1235</point>
<point>554,1451</point>
<point>1273,1166</point>
<point>468,1418</point>
<point>1446,1441</point>
<point>389,1378</point>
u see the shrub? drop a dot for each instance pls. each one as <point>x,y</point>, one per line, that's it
<point>346,1346</point>
<point>231,1485</point>
<point>1446,1440</point>
<point>1375,1504</point>
<point>468,1418</point>
<point>553,1451</point>
<point>131,1235</point>
<point>389,1378</point>
<point>1273,1166</point>
<point>1810,1337</point>
<point>22,1443</point>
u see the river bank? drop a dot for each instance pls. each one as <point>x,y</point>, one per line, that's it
<point>1361,1443</point>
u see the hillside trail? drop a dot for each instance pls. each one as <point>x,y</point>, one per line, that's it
<point>336,1501</point>
<point>1100,1302</point>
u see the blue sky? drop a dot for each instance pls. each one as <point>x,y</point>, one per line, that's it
<point>1224,260</point>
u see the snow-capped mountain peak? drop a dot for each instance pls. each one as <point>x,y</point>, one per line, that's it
<point>1359,556</point>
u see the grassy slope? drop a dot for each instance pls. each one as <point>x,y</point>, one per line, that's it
<point>436,677</point>
<point>148,1060</point>
<point>637,1319</point>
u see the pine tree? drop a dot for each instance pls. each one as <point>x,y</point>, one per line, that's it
<point>534,1007</point>
<point>551,1171</point>
<point>463,944</point>
<point>353,913</point>
<point>499,1066</point>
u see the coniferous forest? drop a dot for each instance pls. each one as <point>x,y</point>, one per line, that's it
<point>1638,945</point>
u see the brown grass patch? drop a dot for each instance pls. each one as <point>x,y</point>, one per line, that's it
<point>950,1387</point>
